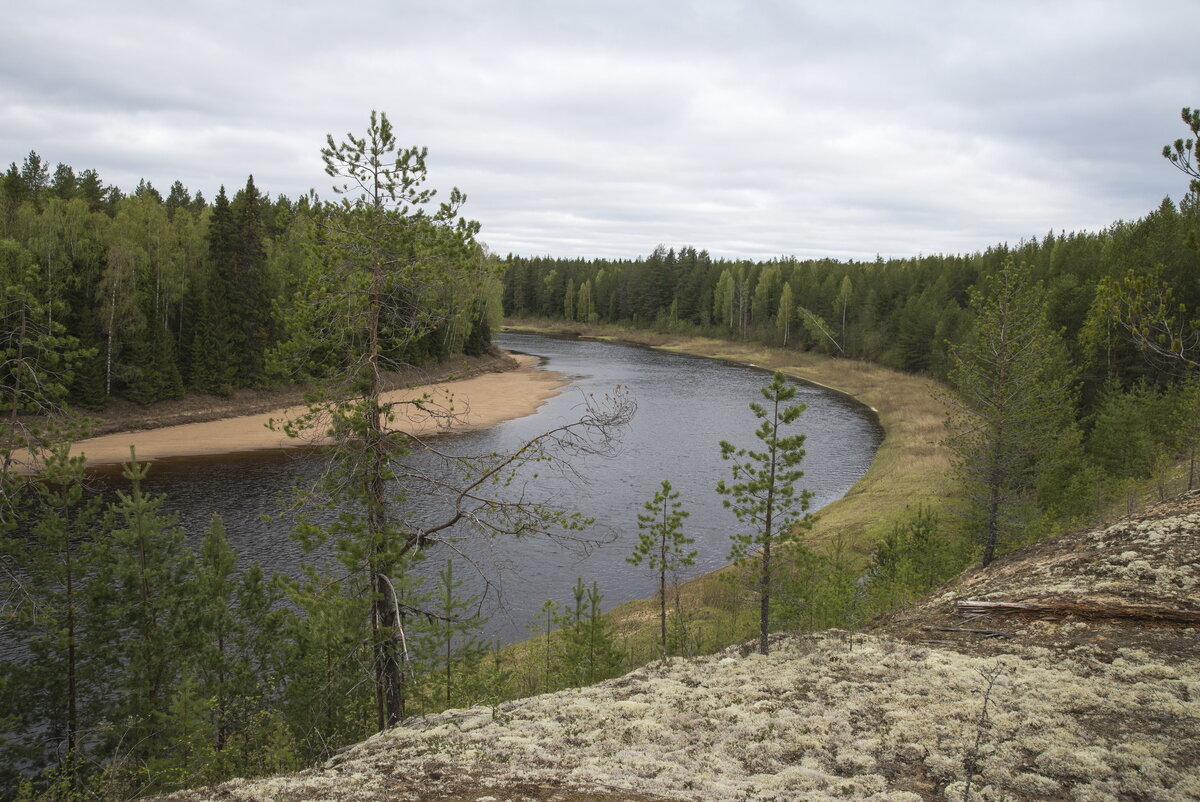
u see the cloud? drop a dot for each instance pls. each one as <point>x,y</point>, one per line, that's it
<point>750,129</point>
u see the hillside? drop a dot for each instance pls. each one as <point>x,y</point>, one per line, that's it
<point>1095,695</point>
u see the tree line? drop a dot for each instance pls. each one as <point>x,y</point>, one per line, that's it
<point>900,313</point>
<point>1096,336</point>
<point>141,296</point>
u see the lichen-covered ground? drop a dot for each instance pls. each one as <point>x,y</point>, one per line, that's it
<point>1101,704</point>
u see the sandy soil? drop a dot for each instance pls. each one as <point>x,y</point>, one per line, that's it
<point>476,402</point>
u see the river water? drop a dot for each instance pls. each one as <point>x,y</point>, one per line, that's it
<point>685,407</point>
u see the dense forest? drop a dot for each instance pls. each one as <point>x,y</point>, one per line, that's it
<point>150,663</point>
<point>901,313</point>
<point>144,297</point>
<point>1120,302</point>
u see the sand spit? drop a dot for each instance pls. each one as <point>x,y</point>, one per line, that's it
<point>477,402</point>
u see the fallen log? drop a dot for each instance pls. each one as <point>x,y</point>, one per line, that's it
<point>987,633</point>
<point>1137,612</point>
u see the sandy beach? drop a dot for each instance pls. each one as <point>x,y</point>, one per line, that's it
<point>477,402</point>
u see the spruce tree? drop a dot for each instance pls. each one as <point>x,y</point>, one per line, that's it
<point>218,336</point>
<point>250,301</point>
<point>325,701</point>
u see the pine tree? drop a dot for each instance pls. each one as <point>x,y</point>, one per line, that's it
<point>377,297</point>
<point>662,546</point>
<point>457,651</point>
<point>585,652</point>
<point>1014,401</point>
<point>763,495</point>
<point>139,605</point>
<point>51,694</point>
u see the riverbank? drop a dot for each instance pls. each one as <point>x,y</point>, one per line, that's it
<point>911,468</point>
<point>478,394</point>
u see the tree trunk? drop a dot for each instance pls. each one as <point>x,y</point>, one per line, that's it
<point>662,585</point>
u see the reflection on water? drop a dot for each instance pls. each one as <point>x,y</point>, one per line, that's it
<point>686,405</point>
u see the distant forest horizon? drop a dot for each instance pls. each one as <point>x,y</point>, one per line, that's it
<point>174,292</point>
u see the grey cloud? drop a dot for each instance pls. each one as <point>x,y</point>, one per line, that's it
<point>750,129</point>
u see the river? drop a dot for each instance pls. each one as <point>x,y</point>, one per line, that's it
<point>686,406</point>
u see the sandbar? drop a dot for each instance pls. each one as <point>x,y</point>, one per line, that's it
<point>477,402</point>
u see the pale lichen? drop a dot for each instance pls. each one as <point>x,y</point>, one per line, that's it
<point>824,717</point>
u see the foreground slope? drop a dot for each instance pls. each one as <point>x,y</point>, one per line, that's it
<point>1091,656</point>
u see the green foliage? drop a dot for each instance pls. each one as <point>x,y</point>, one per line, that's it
<point>37,356</point>
<point>662,546</point>
<point>542,627</point>
<point>386,263</point>
<point>819,590</point>
<point>584,651</point>
<point>172,293</point>
<point>1185,153</point>
<point>913,559</point>
<point>141,605</point>
<point>454,675</point>
<point>574,644</point>
<point>1014,405</point>
<point>148,666</point>
<point>47,700</point>
<point>763,495</point>
<point>1130,428</point>
<point>326,701</point>
<point>394,270</point>
<point>784,315</point>
<point>1146,305</point>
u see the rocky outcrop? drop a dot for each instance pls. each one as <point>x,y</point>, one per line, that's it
<point>1035,703</point>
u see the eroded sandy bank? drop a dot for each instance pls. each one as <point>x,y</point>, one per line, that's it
<point>478,402</point>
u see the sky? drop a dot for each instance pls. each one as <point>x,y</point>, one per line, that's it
<point>603,129</point>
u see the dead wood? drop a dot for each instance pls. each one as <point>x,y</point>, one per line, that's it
<point>1137,612</point>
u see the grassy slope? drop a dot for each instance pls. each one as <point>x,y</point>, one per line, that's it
<point>911,467</point>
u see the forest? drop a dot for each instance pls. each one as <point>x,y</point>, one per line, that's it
<point>1120,303</point>
<point>170,294</point>
<point>153,664</point>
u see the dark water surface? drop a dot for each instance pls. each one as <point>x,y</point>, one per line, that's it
<point>686,405</point>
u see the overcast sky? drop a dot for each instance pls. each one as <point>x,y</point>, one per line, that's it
<point>601,129</point>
